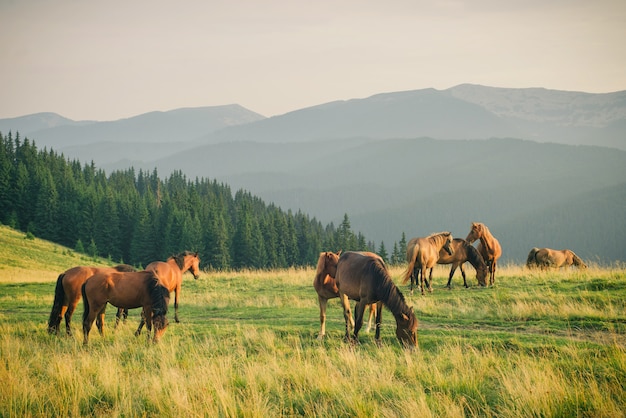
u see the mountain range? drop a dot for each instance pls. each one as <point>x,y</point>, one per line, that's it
<point>538,166</point>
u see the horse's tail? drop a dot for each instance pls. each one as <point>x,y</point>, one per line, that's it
<point>85,302</point>
<point>57,306</point>
<point>531,261</point>
<point>411,258</point>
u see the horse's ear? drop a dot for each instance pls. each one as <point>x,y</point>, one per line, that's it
<point>405,317</point>
<point>339,253</point>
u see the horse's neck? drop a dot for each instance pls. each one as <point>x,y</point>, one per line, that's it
<point>174,265</point>
<point>486,239</point>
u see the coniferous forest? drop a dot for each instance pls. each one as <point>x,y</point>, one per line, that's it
<point>136,217</point>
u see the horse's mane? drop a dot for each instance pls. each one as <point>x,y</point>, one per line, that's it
<point>473,256</point>
<point>158,294</point>
<point>321,262</point>
<point>445,234</point>
<point>387,291</point>
<point>577,260</point>
<point>124,268</point>
<point>180,258</point>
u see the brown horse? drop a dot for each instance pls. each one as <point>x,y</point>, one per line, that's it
<point>422,254</point>
<point>462,252</point>
<point>326,288</point>
<point>489,247</point>
<point>67,293</point>
<point>363,277</point>
<point>170,273</point>
<point>140,289</point>
<point>546,257</point>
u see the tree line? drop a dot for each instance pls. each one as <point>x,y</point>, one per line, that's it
<point>136,217</point>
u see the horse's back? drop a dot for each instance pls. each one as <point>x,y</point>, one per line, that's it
<point>354,274</point>
<point>165,273</point>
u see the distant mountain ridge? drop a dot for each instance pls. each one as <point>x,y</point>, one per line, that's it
<point>417,161</point>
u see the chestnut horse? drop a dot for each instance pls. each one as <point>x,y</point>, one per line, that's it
<point>67,293</point>
<point>140,289</point>
<point>422,254</point>
<point>462,252</point>
<point>170,273</point>
<point>326,288</point>
<point>363,277</point>
<point>488,247</point>
<point>546,257</point>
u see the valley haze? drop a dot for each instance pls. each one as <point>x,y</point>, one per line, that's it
<point>540,167</point>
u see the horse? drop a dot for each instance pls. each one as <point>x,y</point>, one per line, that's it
<point>363,277</point>
<point>140,289</point>
<point>462,252</point>
<point>422,254</point>
<point>67,293</point>
<point>489,247</point>
<point>546,257</point>
<point>326,288</point>
<point>170,273</point>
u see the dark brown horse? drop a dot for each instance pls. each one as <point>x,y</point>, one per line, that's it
<point>363,277</point>
<point>170,274</point>
<point>422,254</point>
<point>462,252</point>
<point>67,293</point>
<point>489,247</point>
<point>545,258</point>
<point>326,288</point>
<point>140,289</point>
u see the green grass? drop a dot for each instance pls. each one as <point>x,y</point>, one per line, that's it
<point>547,344</point>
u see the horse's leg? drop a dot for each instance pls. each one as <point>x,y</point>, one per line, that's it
<point>422,279</point>
<point>430,280</point>
<point>346,314</point>
<point>142,322</point>
<point>323,302</point>
<point>452,270</point>
<point>379,319</point>
<point>118,316</point>
<point>493,272</point>
<point>176,292</point>
<point>463,274</point>
<point>88,321</point>
<point>359,311</point>
<point>65,313</point>
<point>100,320</point>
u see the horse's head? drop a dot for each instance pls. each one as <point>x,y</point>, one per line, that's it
<point>481,275</point>
<point>406,329</point>
<point>476,232</point>
<point>577,261</point>
<point>327,263</point>
<point>195,265</point>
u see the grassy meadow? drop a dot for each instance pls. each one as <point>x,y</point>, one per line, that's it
<point>548,344</point>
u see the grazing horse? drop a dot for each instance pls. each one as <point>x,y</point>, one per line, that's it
<point>363,277</point>
<point>67,293</point>
<point>462,252</point>
<point>170,273</point>
<point>326,288</point>
<point>546,257</point>
<point>422,254</point>
<point>489,247</point>
<point>140,289</point>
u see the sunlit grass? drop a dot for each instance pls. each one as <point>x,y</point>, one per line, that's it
<point>538,343</point>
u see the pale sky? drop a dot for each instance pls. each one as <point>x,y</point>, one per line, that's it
<point>106,60</point>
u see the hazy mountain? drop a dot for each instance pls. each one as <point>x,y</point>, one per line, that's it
<point>28,124</point>
<point>145,137</point>
<point>462,112</point>
<point>416,162</point>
